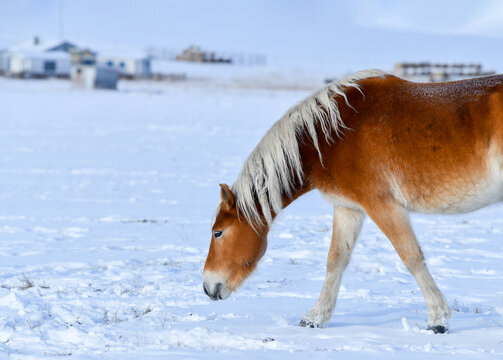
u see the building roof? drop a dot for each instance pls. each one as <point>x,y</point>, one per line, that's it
<point>36,45</point>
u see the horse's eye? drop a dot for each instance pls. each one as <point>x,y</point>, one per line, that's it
<point>218,234</point>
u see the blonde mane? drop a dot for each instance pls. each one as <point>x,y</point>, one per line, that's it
<point>275,165</point>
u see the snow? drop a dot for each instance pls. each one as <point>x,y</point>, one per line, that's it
<point>276,75</point>
<point>105,217</point>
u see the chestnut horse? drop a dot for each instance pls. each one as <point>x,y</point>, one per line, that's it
<point>373,144</point>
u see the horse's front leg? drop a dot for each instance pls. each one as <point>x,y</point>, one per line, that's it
<point>346,227</point>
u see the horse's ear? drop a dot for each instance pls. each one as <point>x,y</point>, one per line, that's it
<point>227,196</point>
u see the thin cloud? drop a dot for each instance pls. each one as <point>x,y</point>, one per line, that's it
<point>482,18</point>
<point>489,21</point>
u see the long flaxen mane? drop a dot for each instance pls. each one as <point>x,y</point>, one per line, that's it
<point>275,165</point>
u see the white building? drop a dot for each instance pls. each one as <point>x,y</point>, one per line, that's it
<point>37,59</point>
<point>48,59</point>
<point>131,64</point>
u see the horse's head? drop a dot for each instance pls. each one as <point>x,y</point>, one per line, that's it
<point>235,249</point>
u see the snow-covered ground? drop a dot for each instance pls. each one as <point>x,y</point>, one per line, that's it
<point>105,207</point>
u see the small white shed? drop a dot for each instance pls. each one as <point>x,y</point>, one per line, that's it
<point>87,74</point>
<point>94,77</point>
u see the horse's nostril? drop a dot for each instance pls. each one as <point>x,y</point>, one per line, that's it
<point>217,291</point>
<point>206,290</point>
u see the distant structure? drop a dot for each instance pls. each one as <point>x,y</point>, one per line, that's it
<point>195,54</point>
<point>129,63</point>
<point>86,74</point>
<point>425,71</point>
<point>37,59</point>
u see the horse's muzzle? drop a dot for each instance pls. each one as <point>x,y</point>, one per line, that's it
<point>215,295</point>
<point>214,287</point>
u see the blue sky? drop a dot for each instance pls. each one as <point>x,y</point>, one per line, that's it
<point>360,33</point>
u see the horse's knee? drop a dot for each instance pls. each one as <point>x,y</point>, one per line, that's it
<point>338,260</point>
<point>413,259</point>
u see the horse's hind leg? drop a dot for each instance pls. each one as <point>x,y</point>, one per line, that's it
<point>346,227</point>
<point>394,222</point>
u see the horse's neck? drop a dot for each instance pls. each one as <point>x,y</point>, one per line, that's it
<point>296,193</point>
<point>299,190</point>
<point>309,158</point>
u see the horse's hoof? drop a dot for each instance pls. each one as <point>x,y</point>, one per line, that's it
<point>438,329</point>
<point>304,323</point>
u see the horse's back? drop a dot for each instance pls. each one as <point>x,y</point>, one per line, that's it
<point>435,147</point>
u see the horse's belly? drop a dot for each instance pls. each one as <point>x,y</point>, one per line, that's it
<point>458,197</point>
